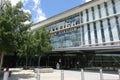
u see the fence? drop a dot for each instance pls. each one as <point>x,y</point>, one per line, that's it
<point>62,77</point>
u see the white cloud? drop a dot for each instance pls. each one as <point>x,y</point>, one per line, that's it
<point>27,10</point>
<point>39,13</point>
<point>39,18</point>
<point>14,2</point>
<point>27,22</point>
<point>88,0</point>
<point>36,3</point>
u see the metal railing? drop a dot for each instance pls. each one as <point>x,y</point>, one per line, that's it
<point>62,77</point>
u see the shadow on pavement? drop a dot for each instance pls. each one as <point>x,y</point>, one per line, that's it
<point>20,76</point>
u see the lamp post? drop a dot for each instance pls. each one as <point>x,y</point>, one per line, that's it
<point>62,71</point>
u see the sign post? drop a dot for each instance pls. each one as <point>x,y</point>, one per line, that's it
<point>82,74</point>
<point>62,74</point>
<point>6,74</point>
<point>101,74</point>
<point>119,73</point>
<point>38,75</point>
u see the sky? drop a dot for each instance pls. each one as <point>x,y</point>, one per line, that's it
<point>43,9</point>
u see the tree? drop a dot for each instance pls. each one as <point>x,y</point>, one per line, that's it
<point>12,29</point>
<point>27,49</point>
<point>42,43</point>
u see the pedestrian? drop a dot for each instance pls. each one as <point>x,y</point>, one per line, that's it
<point>57,66</point>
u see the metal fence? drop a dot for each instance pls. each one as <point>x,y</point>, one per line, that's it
<point>62,77</point>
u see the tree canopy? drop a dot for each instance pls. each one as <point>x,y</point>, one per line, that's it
<point>12,28</point>
<point>42,43</point>
<point>15,35</point>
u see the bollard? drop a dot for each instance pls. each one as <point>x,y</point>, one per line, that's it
<point>101,74</point>
<point>62,74</point>
<point>119,73</point>
<point>38,75</point>
<point>82,74</point>
<point>6,74</point>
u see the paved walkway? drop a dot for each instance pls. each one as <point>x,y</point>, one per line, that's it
<point>19,74</point>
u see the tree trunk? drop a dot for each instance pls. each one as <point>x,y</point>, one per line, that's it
<point>31,61</point>
<point>26,62</point>
<point>1,58</point>
<point>39,57</point>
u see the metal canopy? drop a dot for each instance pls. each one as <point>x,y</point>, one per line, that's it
<point>89,48</point>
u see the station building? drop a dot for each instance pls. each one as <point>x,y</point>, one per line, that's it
<point>87,36</point>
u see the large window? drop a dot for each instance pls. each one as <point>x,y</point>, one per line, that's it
<point>78,35</point>
<point>65,26</point>
<point>118,27</point>
<point>114,8</point>
<point>89,36</point>
<point>83,36</point>
<point>61,27</point>
<point>87,18</point>
<point>110,31</point>
<point>93,15</point>
<point>95,32</point>
<point>99,11</point>
<point>102,31</point>
<point>81,17</point>
<point>106,8</point>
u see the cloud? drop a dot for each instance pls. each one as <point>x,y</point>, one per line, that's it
<point>27,22</point>
<point>88,0</point>
<point>36,4</point>
<point>27,11</point>
<point>40,15</point>
<point>36,11</point>
<point>14,2</point>
<point>39,18</point>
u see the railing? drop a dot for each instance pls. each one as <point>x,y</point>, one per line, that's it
<point>82,77</point>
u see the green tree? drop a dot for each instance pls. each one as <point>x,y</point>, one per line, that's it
<point>42,43</point>
<point>12,29</point>
<point>27,49</point>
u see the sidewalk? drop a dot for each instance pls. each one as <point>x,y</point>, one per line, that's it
<point>20,74</point>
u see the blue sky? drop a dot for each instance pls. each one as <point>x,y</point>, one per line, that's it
<point>53,7</point>
<point>43,9</point>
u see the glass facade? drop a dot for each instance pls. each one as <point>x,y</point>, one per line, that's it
<point>96,26</point>
<point>76,30</point>
<point>70,38</point>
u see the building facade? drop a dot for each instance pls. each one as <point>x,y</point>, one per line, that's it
<point>86,36</point>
